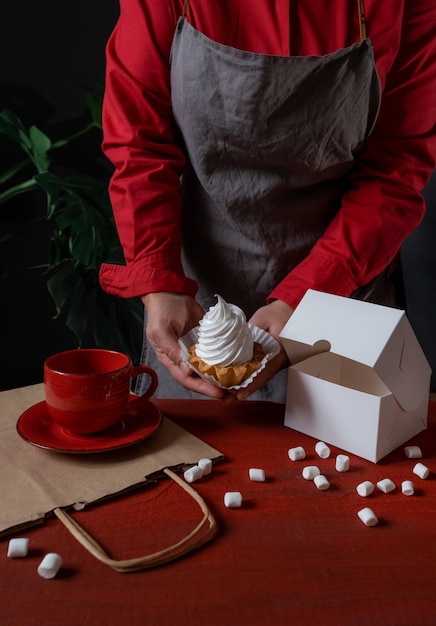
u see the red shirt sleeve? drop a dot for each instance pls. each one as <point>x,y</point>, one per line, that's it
<point>140,140</point>
<point>384,202</point>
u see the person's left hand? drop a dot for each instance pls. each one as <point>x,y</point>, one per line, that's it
<point>271,318</point>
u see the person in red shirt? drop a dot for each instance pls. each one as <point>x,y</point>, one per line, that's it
<point>262,149</point>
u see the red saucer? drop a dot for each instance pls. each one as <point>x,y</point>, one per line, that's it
<point>37,428</point>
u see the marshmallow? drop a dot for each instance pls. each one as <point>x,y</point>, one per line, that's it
<point>342,463</point>
<point>258,475</point>
<point>193,473</point>
<point>18,547</point>
<point>310,471</point>
<point>407,488</point>
<point>321,482</point>
<point>386,485</point>
<point>322,450</point>
<point>421,470</point>
<point>50,565</point>
<point>368,517</point>
<point>413,452</point>
<point>205,465</point>
<point>365,489</point>
<point>296,454</point>
<point>233,499</point>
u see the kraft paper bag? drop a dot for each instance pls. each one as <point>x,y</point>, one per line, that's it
<point>35,482</point>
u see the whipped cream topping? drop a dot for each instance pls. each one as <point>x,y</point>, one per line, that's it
<point>224,337</point>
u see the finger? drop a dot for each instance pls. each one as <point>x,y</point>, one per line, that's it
<point>184,375</point>
<point>274,366</point>
<point>229,398</point>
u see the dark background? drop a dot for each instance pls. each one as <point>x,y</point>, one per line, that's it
<point>51,52</point>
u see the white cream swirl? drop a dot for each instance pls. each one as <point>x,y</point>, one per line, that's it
<point>224,337</point>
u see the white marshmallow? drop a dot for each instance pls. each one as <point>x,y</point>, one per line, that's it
<point>365,489</point>
<point>421,470</point>
<point>342,463</point>
<point>205,465</point>
<point>322,450</point>
<point>18,547</point>
<point>407,488</point>
<point>368,517</point>
<point>386,485</point>
<point>413,452</point>
<point>321,482</point>
<point>296,454</point>
<point>310,471</point>
<point>193,473</point>
<point>50,565</point>
<point>258,475</point>
<point>233,499</point>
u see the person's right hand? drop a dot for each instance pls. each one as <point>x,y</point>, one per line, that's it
<point>169,317</point>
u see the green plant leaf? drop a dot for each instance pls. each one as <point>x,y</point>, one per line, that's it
<point>40,146</point>
<point>11,126</point>
<point>33,141</point>
<point>83,216</point>
<point>61,283</point>
<point>84,235</point>
<point>82,229</point>
<point>119,324</point>
<point>16,190</point>
<point>94,101</point>
<point>58,250</point>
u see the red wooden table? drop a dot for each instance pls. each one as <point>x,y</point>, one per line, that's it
<point>291,554</point>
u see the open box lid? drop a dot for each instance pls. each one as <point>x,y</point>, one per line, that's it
<point>377,336</point>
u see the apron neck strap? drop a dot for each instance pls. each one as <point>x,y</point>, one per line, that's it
<point>362,20</point>
<point>185,7</point>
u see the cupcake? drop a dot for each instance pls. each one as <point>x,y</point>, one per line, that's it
<point>225,348</point>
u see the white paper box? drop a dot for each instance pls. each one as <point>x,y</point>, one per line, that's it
<point>359,379</point>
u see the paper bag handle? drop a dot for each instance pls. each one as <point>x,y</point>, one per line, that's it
<point>190,542</point>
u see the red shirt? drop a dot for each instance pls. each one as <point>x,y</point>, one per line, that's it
<point>384,202</point>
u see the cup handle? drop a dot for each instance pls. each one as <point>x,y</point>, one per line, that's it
<point>136,371</point>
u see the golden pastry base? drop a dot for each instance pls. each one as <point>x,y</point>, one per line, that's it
<point>233,374</point>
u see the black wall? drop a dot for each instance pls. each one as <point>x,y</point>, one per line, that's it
<point>419,271</point>
<point>55,49</point>
<point>51,52</point>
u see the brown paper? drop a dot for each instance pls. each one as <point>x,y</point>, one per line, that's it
<point>34,481</point>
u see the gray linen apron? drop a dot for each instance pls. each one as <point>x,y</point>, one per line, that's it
<point>270,141</point>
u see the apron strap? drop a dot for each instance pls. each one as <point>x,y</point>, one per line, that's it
<point>185,7</point>
<point>362,20</point>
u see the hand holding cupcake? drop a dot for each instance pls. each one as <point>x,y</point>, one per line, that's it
<point>226,349</point>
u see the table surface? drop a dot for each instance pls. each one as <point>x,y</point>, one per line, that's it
<point>290,554</point>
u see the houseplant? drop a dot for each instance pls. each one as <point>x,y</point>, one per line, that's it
<point>82,234</point>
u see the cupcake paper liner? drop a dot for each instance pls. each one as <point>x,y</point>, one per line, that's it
<point>270,346</point>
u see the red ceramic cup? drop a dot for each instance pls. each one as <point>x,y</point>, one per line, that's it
<point>88,389</point>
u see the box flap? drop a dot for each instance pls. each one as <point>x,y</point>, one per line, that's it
<point>404,368</point>
<point>374,335</point>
